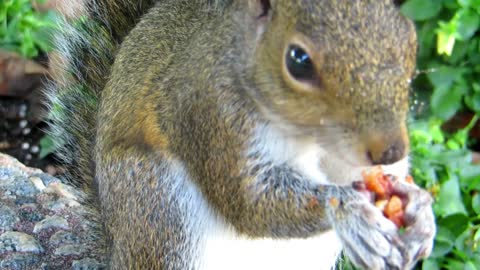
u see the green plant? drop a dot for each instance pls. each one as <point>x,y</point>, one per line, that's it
<point>24,30</point>
<point>449,83</point>
<point>443,164</point>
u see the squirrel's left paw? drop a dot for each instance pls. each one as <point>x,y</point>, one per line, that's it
<point>419,222</point>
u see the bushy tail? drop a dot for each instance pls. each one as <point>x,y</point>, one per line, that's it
<point>86,48</point>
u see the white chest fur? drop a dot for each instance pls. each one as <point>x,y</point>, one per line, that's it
<point>225,250</point>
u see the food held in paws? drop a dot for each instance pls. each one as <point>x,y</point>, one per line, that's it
<point>384,196</point>
<point>378,183</point>
<point>394,211</point>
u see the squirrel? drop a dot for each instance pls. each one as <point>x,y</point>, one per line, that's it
<point>227,134</point>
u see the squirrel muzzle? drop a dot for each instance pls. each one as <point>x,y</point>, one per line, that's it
<point>386,147</point>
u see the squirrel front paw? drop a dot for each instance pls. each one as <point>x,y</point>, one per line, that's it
<point>419,221</point>
<point>371,241</point>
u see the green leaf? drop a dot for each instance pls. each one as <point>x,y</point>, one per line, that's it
<point>452,159</point>
<point>459,52</point>
<point>444,76</point>
<point>476,237</point>
<point>453,264</point>
<point>470,175</point>
<point>469,3</point>
<point>476,87</point>
<point>470,266</point>
<point>451,4</point>
<point>463,244</point>
<point>430,264</point>
<point>47,146</point>
<point>449,200</point>
<point>473,102</point>
<point>446,101</point>
<point>445,43</point>
<point>426,38</point>
<point>444,242</point>
<point>456,223</point>
<point>420,10</point>
<point>476,203</point>
<point>467,24</point>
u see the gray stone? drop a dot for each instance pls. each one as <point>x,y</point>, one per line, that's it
<point>17,241</point>
<point>21,200</point>
<point>54,222</point>
<point>70,250</point>
<point>87,264</point>
<point>46,178</point>
<point>19,186</point>
<point>19,261</point>
<point>61,204</point>
<point>6,173</point>
<point>30,213</point>
<point>24,187</point>
<point>63,237</point>
<point>8,218</point>
<point>56,210</point>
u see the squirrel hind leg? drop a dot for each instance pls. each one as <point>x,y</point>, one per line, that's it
<point>153,213</point>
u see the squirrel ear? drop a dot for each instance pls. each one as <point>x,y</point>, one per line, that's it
<point>260,8</point>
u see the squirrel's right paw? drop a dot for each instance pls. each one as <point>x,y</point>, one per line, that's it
<point>370,240</point>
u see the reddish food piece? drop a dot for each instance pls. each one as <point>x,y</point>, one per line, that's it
<point>381,204</point>
<point>378,183</point>
<point>392,205</point>
<point>409,179</point>
<point>334,202</point>
<point>394,210</point>
<point>398,218</point>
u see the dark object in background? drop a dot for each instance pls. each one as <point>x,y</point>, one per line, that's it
<point>461,120</point>
<point>22,112</point>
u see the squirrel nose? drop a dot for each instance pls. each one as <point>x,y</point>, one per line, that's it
<point>391,154</point>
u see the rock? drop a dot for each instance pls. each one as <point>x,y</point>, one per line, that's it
<point>30,213</point>
<point>45,178</point>
<point>38,183</point>
<point>70,250</point>
<point>63,237</point>
<point>60,204</point>
<point>46,224</point>
<point>19,261</point>
<point>24,187</point>
<point>87,264</point>
<point>51,222</point>
<point>24,200</point>
<point>19,185</point>
<point>5,174</point>
<point>8,218</point>
<point>20,242</point>
<point>11,165</point>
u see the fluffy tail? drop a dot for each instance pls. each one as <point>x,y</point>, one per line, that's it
<point>85,52</point>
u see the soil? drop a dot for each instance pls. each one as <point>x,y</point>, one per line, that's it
<point>22,110</point>
<point>20,136</point>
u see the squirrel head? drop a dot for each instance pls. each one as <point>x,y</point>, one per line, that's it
<point>335,70</point>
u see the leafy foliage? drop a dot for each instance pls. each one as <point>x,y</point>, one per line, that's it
<point>24,30</point>
<point>449,83</point>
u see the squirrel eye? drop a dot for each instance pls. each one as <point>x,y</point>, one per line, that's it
<point>299,64</point>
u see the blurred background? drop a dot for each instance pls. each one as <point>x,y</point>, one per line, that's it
<point>445,107</point>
